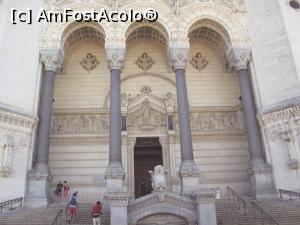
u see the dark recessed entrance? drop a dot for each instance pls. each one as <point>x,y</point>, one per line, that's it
<point>147,154</point>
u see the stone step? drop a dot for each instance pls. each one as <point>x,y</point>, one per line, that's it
<point>46,215</point>
<point>283,212</point>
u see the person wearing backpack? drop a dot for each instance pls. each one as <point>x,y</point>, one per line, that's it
<point>96,213</point>
<point>73,207</point>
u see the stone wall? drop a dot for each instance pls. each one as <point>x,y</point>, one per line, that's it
<point>275,54</point>
<point>19,61</point>
<point>16,136</point>
<point>79,148</point>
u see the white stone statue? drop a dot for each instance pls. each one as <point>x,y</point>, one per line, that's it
<point>158,178</point>
<point>6,149</point>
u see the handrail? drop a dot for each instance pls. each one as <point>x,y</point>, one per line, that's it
<point>10,203</point>
<point>290,193</point>
<point>265,219</point>
<point>58,215</point>
<point>236,198</point>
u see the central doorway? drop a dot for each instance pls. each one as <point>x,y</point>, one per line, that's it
<point>147,154</point>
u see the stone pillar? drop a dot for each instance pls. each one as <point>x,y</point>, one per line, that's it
<point>206,207</point>
<point>118,212</point>
<point>189,171</point>
<point>114,174</point>
<point>260,172</point>
<point>39,176</point>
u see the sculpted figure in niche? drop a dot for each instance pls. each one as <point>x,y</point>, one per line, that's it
<point>6,149</point>
<point>158,178</point>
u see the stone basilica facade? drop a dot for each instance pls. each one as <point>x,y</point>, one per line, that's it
<point>211,91</point>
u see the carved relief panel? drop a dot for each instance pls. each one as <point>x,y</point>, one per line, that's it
<point>79,123</point>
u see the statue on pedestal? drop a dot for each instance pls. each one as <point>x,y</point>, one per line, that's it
<point>158,178</point>
<point>6,149</point>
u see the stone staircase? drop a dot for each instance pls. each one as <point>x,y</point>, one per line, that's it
<point>284,212</point>
<point>46,215</point>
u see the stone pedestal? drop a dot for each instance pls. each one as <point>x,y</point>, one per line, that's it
<point>38,183</point>
<point>114,176</point>
<point>118,207</point>
<point>189,174</point>
<point>261,180</point>
<point>206,206</point>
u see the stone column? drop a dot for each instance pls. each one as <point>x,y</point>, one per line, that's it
<point>118,208</point>
<point>260,171</point>
<point>206,207</point>
<point>114,174</point>
<point>39,176</point>
<point>189,171</point>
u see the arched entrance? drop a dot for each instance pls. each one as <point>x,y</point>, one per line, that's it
<point>162,219</point>
<point>162,208</point>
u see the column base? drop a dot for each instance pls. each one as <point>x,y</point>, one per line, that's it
<point>261,180</point>
<point>206,206</point>
<point>38,187</point>
<point>114,176</point>
<point>189,175</point>
<point>118,208</point>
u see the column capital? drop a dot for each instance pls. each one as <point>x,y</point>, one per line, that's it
<point>52,59</point>
<point>178,53</point>
<point>115,54</point>
<point>239,58</point>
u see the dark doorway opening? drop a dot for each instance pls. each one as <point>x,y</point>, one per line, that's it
<point>147,154</point>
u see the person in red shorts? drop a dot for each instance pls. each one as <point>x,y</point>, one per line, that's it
<point>96,213</point>
<point>73,207</point>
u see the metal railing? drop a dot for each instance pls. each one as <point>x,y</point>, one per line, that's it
<point>11,204</point>
<point>236,199</point>
<point>289,193</point>
<point>262,217</point>
<point>58,218</point>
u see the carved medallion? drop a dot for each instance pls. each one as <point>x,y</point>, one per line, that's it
<point>89,62</point>
<point>146,89</point>
<point>145,62</point>
<point>199,62</point>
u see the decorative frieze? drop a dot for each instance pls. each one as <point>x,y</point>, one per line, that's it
<point>281,115</point>
<point>146,116</point>
<point>17,121</point>
<point>215,121</point>
<point>79,123</point>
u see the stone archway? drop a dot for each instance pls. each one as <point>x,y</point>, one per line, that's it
<point>162,219</point>
<point>162,208</point>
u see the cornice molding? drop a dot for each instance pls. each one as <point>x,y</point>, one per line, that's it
<point>17,120</point>
<point>284,114</point>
